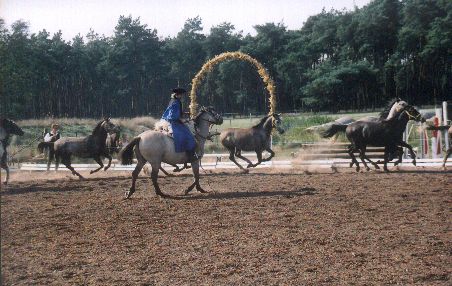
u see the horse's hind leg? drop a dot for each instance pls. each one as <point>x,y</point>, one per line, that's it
<point>362,156</point>
<point>232,158</point>
<point>66,160</point>
<point>238,154</point>
<point>351,149</point>
<point>4,165</point>
<point>195,168</point>
<point>165,172</point>
<point>57,161</point>
<point>259,158</point>
<point>154,177</point>
<point>135,173</point>
<point>98,161</point>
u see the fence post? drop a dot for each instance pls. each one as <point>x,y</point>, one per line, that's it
<point>445,120</point>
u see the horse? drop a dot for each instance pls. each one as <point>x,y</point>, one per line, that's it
<point>91,146</point>
<point>256,138</point>
<point>382,133</point>
<point>112,143</point>
<point>156,147</point>
<point>7,127</point>
<point>392,109</point>
<point>449,151</point>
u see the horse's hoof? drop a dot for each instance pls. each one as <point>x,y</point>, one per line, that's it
<point>245,171</point>
<point>367,169</point>
<point>414,162</point>
<point>128,194</point>
<point>386,170</point>
<point>377,167</point>
<point>351,165</point>
<point>106,168</point>
<point>201,190</point>
<point>357,169</point>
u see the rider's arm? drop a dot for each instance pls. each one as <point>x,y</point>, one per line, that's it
<point>47,137</point>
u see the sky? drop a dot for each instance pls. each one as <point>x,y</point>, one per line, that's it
<point>167,16</point>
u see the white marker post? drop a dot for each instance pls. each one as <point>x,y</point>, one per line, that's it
<point>445,120</point>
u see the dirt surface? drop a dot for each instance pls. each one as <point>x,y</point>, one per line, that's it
<point>264,228</point>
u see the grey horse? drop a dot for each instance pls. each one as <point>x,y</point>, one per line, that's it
<point>156,147</point>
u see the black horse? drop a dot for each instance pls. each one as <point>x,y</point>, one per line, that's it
<point>382,133</point>
<point>7,127</point>
<point>92,146</point>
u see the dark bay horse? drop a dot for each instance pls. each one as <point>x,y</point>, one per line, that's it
<point>156,147</point>
<point>91,146</point>
<point>382,133</point>
<point>449,151</point>
<point>256,138</point>
<point>7,127</point>
<point>392,109</point>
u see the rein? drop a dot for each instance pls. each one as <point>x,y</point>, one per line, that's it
<point>412,116</point>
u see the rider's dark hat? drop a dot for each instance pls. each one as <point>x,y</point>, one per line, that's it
<point>179,90</point>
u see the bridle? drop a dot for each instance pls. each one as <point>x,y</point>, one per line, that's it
<point>410,116</point>
<point>197,118</point>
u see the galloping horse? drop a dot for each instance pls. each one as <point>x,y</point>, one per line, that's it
<point>256,138</point>
<point>382,133</point>
<point>7,127</point>
<point>156,147</point>
<point>92,146</point>
<point>392,109</point>
<point>449,151</point>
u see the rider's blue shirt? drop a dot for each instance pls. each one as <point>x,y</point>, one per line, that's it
<point>183,138</point>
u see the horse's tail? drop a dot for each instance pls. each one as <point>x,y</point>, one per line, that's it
<point>126,153</point>
<point>333,129</point>
<point>43,145</point>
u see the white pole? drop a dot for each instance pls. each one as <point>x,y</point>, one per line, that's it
<point>445,119</point>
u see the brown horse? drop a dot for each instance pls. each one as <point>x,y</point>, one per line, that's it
<point>449,151</point>
<point>256,138</point>
<point>92,146</point>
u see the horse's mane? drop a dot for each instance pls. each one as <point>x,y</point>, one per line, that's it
<point>384,114</point>
<point>261,122</point>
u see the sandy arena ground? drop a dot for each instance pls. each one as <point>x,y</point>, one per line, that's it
<point>270,227</point>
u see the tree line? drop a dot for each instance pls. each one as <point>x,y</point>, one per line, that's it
<point>338,60</point>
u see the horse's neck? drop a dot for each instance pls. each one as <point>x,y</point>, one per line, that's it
<point>268,126</point>
<point>100,136</point>
<point>203,132</point>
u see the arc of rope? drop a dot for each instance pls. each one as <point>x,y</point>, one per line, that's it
<point>209,65</point>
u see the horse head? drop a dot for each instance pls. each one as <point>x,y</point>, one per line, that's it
<point>277,122</point>
<point>397,107</point>
<point>210,115</point>
<point>11,127</point>
<point>412,113</point>
<point>108,126</point>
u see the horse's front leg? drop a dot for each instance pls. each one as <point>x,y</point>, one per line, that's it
<point>386,160</point>
<point>449,151</point>
<point>135,174</point>
<point>51,156</point>
<point>7,173</point>
<point>108,156</point>
<point>98,161</point>
<point>272,154</point>
<point>259,158</point>
<point>412,154</point>
<point>195,168</point>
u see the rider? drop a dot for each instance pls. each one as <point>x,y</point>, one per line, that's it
<point>53,135</point>
<point>184,140</point>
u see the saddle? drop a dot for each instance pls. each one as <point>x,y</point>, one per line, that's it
<point>164,127</point>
